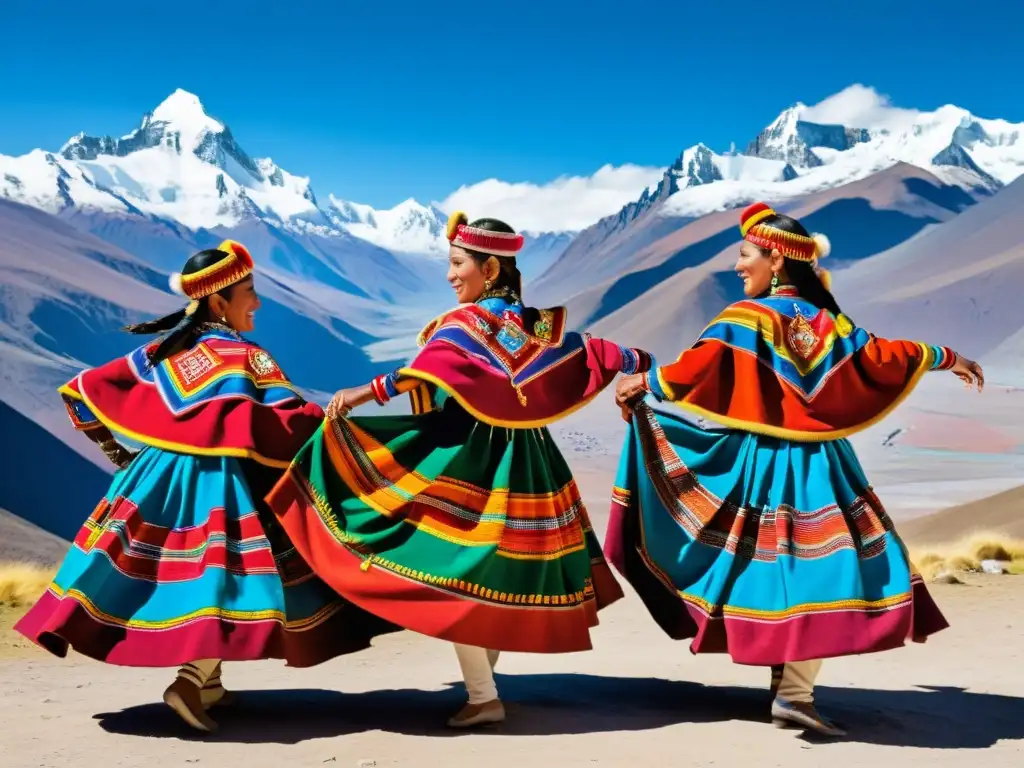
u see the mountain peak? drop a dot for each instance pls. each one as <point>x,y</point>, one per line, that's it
<point>790,114</point>
<point>184,111</point>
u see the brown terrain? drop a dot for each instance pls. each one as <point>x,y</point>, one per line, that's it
<point>637,698</point>
<point>1002,513</point>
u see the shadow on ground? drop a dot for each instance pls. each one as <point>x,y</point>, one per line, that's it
<point>544,705</point>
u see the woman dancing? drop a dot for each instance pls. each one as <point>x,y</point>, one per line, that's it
<point>181,563</point>
<point>764,539</point>
<point>463,521</point>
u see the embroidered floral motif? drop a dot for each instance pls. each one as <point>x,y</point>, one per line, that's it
<point>484,326</point>
<point>262,363</point>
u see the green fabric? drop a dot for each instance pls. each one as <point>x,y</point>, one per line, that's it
<point>449,444</point>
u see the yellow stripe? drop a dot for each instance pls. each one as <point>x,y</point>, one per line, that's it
<point>764,323</point>
<point>170,445</point>
<point>796,610</point>
<point>224,613</point>
<point>207,271</point>
<point>799,435</point>
<point>670,393</point>
<point>385,501</point>
<point>755,219</point>
<point>179,385</point>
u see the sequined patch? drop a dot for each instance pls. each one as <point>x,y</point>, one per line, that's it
<point>801,336</point>
<point>262,363</point>
<point>512,338</point>
<point>543,327</point>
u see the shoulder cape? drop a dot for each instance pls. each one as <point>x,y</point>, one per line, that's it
<point>781,367</point>
<point>223,397</point>
<point>508,375</point>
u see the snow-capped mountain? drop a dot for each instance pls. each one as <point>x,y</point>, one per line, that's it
<point>948,137</point>
<point>183,166</point>
<point>794,157</point>
<point>409,227</point>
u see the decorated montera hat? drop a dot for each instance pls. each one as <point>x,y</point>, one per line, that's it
<point>789,244</point>
<point>755,229</point>
<point>236,265</point>
<point>482,240</point>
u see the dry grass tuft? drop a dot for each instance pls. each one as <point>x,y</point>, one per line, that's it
<point>21,584</point>
<point>965,556</point>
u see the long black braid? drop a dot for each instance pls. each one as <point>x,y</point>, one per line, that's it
<point>182,330</point>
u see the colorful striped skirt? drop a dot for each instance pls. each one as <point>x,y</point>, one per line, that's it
<point>450,527</point>
<point>177,564</point>
<point>765,549</point>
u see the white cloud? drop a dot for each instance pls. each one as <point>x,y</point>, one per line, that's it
<point>859,106</point>
<point>568,203</point>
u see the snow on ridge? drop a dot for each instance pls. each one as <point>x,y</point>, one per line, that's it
<point>409,227</point>
<point>183,165</point>
<point>184,111</point>
<point>949,142</point>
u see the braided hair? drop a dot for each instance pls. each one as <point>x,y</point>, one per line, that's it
<point>181,328</point>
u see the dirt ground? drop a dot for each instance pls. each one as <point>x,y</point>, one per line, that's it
<point>637,699</point>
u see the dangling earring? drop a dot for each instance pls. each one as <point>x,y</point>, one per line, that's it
<point>487,285</point>
<point>223,319</point>
<point>775,282</point>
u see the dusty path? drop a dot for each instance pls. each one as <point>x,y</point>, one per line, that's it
<point>638,699</point>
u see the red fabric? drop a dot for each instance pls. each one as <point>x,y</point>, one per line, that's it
<point>478,239</point>
<point>488,391</point>
<point>230,425</point>
<point>123,544</point>
<point>756,641</point>
<point>57,623</point>
<point>734,384</point>
<point>431,610</point>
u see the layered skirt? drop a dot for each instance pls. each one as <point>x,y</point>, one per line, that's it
<point>765,549</point>
<point>178,563</point>
<point>449,527</point>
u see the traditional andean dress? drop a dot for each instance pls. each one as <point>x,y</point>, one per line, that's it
<point>181,560</point>
<point>463,521</point>
<point>763,538</point>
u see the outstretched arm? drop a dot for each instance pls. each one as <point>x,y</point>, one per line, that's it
<point>885,358</point>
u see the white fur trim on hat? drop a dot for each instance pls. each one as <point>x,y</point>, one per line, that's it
<point>175,283</point>
<point>823,246</point>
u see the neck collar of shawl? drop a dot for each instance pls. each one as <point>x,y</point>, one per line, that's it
<point>220,330</point>
<point>500,304</point>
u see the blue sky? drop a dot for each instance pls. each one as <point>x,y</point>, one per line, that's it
<point>379,102</point>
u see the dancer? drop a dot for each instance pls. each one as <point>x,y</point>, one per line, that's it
<point>181,563</point>
<point>763,539</point>
<point>463,521</point>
